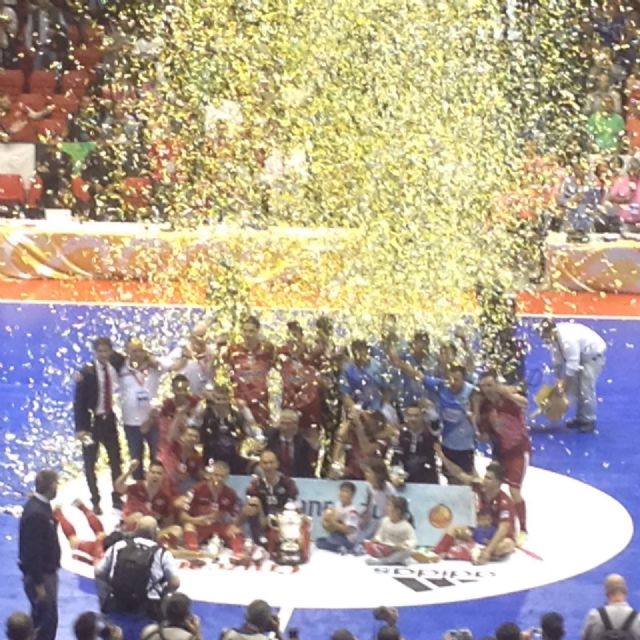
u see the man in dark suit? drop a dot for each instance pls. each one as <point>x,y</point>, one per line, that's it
<point>94,417</point>
<point>39,555</point>
<point>297,457</point>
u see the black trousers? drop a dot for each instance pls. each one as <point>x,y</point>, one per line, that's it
<point>104,433</point>
<point>44,613</point>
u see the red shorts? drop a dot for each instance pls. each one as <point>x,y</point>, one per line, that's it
<point>515,467</point>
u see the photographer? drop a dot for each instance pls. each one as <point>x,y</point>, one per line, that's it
<point>90,626</point>
<point>178,622</point>
<point>260,622</point>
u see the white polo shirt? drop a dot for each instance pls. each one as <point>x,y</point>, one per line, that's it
<point>199,371</point>
<point>138,392</point>
<point>575,343</point>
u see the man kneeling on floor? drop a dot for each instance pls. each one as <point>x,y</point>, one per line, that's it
<point>496,518</point>
<point>135,573</point>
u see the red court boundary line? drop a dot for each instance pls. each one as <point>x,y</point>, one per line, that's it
<point>146,293</point>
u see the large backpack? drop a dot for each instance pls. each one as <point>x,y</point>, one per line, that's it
<point>610,633</point>
<point>131,576</point>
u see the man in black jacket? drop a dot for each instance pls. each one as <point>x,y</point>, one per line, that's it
<point>39,555</point>
<point>94,417</point>
<point>297,457</point>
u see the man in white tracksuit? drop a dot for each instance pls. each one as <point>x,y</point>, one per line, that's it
<point>578,356</point>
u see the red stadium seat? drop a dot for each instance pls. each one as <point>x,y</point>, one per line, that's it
<point>74,35</point>
<point>52,128</point>
<point>43,82</point>
<point>36,189</point>
<point>65,105</point>
<point>76,82</point>
<point>35,101</point>
<point>11,189</point>
<point>80,189</point>
<point>11,82</point>
<point>88,57</point>
<point>94,36</point>
<point>136,192</point>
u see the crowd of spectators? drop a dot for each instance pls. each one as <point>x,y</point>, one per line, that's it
<point>616,618</point>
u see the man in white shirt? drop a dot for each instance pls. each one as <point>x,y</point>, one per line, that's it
<point>618,613</point>
<point>578,354</point>
<point>194,358</point>
<point>139,381</point>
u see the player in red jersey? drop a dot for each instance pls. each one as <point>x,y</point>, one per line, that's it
<point>182,461</point>
<point>490,500</point>
<point>249,364</point>
<point>499,417</point>
<point>177,411</point>
<point>212,510</point>
<point>300,381</point>
<point>85,550</point>
<point>149,497</point>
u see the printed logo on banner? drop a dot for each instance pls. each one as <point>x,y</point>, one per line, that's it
<point>420,580</point>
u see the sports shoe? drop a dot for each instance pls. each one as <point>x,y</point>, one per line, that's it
<point>77,503</point>
<point>97,509</point>
<point>587,427</point>
<point>117,502</point>
<point>574,423</point>
<point>425,557</point>
<point>521,539</point>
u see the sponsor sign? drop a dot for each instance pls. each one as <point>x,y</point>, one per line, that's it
<point>434,507</point>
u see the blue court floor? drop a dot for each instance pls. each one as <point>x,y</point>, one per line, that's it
<point>41,345</point>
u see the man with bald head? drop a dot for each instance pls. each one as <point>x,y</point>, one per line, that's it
<point>616,614</point>
<point>267,495</point>
<point>162,572</point>
<point>297,457</point>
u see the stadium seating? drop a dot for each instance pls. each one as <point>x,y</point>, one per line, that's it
<point>11,82</point>
<point>11,190</point>
<point>35,101</point>
<point>76,82</point>
<point>136,191</point>
<point>43,82</point>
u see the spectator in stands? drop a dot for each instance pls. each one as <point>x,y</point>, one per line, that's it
<point>606,127</point>
<point>578,199</point>
<point>45,34</point>
<point>632,85</point>
<point>19,626</point>
<point>624,195</point>
<point>633,126</point>
<point>8,31</point>
<point>603,64</point>
<point>601,91</point>
<point>626,54</point>
<point>53,166</point>
<point>16,120</point>
<point>89,626</point>
<point>260,624</point>
<point>617,612</point>
<point>178,622</point>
